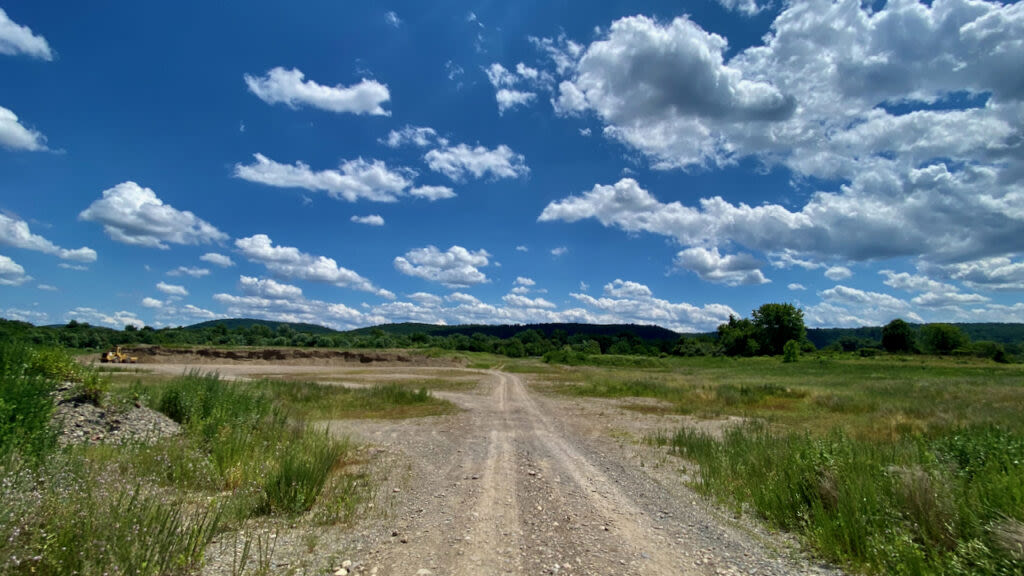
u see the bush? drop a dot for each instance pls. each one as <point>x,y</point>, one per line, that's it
<point>565,355</point>
<point>984,349</point>
<point>791,351</point>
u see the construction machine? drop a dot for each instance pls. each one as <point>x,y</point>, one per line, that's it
<point>115,356</point>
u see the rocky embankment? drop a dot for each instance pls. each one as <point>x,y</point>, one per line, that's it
<point>79,421</point>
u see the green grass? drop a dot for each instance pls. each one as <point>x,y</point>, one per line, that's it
<point>326,402</point>
<point>887,465</point>
<point>151,509</point>
<point>880,398</point>
<point>26,403</point>
<point>917,506</point>
<point>75,517</point>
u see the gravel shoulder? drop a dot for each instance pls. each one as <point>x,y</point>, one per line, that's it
<point>520,482</point>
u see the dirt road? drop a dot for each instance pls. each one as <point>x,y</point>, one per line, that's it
<point>520,482</point>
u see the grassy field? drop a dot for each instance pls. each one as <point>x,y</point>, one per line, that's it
<point>246,456</point>
<point>887,464</point>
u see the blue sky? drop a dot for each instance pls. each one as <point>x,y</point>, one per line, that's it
<point>351,164</point>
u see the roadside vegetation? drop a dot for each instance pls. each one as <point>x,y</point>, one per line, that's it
<point>887,464</point>
<point>245,455</point>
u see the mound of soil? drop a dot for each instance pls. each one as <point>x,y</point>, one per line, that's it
<point>81,422</point>
<point>307,356</point>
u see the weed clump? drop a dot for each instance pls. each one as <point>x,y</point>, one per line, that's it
<point>950,504</point>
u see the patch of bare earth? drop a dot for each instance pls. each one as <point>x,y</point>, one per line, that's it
<point>523,483</point>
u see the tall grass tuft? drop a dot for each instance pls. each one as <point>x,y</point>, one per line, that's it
<point>300,471</point>
<point>251,442</point>
<point>26,403</point>
<point>72,518</point>
<point>920,506</point>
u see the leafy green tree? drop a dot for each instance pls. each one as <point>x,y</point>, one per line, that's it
<point>590,347</point>
<point>738,337</point>
<point>898,336</point>
<point>943,338</point>
<point>694,346</point>
<point>777,324</point>
<point>513,348</point>
<point>986,349</point>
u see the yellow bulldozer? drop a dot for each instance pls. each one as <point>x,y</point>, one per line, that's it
<point>115,356</point>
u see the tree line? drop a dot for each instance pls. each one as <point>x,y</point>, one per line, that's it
<point>773,329</point>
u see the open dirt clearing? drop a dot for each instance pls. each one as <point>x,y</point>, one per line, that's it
<point>518,482</point>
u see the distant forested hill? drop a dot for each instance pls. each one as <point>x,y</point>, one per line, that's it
<point>1004,333</point>
<point>233,323</point>
<point>649,333</point>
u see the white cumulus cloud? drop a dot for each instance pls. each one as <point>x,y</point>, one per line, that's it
<point>15,232</point>
<point>456,267</point>
<point>290,262</point>
<point>354,180</point>
<point>268,288</point>
<point>93,316</point>
<point>509,99</point>
<point>12,273</point>
<point>520,301</point>
<point>17,39</point>
<point>369,220</point>
<point>134,215</point>
<point>421,136</point>
<point>838,273</point>
<point>15,136</point>
<point>432,193</point>
<point>279,85</point>
<point>172,289</point>
<point>745,7</point>
<point>217,259</point>
<point>192,271</point>
<point>456,162</point>
<point>626,301</point>
<point>731,269</point>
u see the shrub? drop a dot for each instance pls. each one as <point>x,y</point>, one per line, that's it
<point>791,351</point>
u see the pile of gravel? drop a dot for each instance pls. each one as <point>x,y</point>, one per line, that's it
<point>80,422</point>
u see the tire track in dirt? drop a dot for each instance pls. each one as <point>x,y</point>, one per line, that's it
<point>520,483</point>
<point>495,530</point>
<point>616,529</point>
